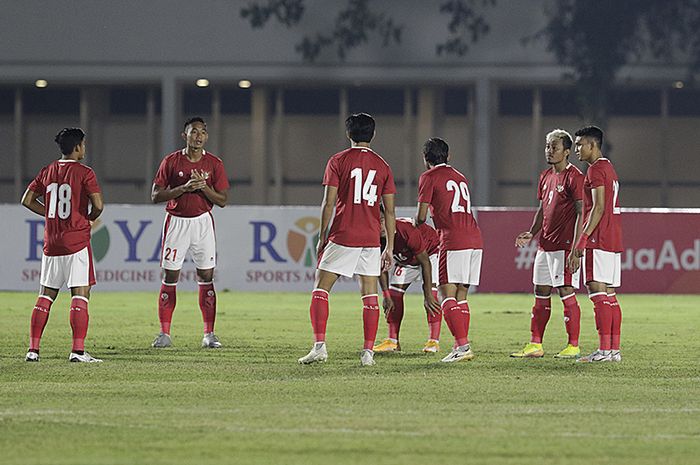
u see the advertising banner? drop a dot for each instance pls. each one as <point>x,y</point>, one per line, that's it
<point>271,249</point>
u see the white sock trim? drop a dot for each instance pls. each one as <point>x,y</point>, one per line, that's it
<point>543,296</point>
<point>370,295</point>
<point>462,302</point>
<point>318,289</point>
<point>568,296</point>
<point>80,297</point>
<point>42,296</point>
<point>446,299</point>
<point>596,294</point>
<point>205,283</point>
<point>169,284</point>
<point>612,295</point>
<point>397,289</point>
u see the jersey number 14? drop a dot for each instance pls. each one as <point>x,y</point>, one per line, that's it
<point>364,191</point>
<point>59,200</point>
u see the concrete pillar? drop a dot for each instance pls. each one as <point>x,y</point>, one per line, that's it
<point>343,113</point>
<point>19,145</point>
<point>485,109</point>
<point>424,126</point>
<point>216,130</point>
<point>170,115</point>
<point>410,152</point>
<point>277,148</point>
<point>663,148</point>
<point>150,145</point>
<point>537,138</point>
<point>259,130</point>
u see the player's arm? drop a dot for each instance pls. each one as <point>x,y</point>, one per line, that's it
<point>421,214</point>
<point>330,195</point>
<point>216,197</point>
<point>431,305</point>
<point>574,261</point>
<point>390,226</point>
<point>97,205</point>
<point>163,194</point>
<point>30,200</point>
<point>525,237</point>
<point>597,210</point>
<point>387,301</point>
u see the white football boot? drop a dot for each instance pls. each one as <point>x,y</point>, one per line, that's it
<point>162,340</point>
<point>615,356</point>
<point>367,358</point>
<point>210,341</point>
<point>597,356</point>
<point>461,353</point>
<point>318,354</point>
<point>32,357</point>
<point>84,358</point>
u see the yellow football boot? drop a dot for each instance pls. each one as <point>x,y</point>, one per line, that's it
<point>431,346</point>
<point>531,350</point>
<point>387,345</point>
<point>569,352</point>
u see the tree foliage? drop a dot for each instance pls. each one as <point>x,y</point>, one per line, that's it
<point>467,25</point>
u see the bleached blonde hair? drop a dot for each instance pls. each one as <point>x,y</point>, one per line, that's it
<point>562,135</point>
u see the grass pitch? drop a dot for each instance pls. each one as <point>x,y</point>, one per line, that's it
<point>252,403</point>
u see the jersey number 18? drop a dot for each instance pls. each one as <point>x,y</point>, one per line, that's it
<point>59,200</point>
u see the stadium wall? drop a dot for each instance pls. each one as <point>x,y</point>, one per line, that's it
<point>272,248</point>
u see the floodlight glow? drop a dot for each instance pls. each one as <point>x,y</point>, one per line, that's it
<point>244,84</point>
<point>41,83</point>
<point>678,84</point>
<point>202,82</point>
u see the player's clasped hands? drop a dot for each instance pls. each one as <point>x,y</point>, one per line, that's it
<point>523,239</point>
<point>197,182</point>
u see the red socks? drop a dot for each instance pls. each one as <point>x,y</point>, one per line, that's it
<point>166,306</point>
<point>603,318</point>
<point>207,305</point>
<point>79,319</point>
<point>435,321</point>
<point>370,319</point>
<point>616,321</point>
<point>572,318</point>
<point>465,317</point>
<point>40,315</point>
<point>453,317</point>
<point>540,316</point>
<point>395,316</point>
<point>319,314</point>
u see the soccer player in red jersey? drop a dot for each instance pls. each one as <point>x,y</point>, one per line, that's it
<point>600,244</point>
<point>415,257</point>
<point>68,188</point>
<point>558,220</point>
<point>444,190</point>
<point>355,181</point>
<point>192,181</point>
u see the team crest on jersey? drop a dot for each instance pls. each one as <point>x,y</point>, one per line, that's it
<point>560,188</point>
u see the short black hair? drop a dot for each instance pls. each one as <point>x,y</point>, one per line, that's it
<point>592,132</point>
<point>436,151</point>
<point>194,119</point>
<point>360,127</point>
<point>68,138</point>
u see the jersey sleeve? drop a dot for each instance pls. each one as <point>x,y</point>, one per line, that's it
<point>425,189</point>
<point>596,177</point>
<point>331,177</point>
<point>220,181</point>
<point>389,185</point>
<point>576,186</point>
<point>90,182</point>
<point>162,174</point>
<point>37,185</point>
<point>540,187</point>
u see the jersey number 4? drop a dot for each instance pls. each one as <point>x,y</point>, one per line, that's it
<point>364,191</point>
<point>59,200</point>
<point>460,192</point>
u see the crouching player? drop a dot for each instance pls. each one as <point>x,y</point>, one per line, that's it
<point>415,257</point>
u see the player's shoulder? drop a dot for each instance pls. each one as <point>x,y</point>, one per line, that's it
<point>214,158</point>
<point>455,172</point>
<point>404,223</point>
<point>574,170</point>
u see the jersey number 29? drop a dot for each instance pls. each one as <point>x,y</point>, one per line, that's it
<point>59,200</point>
<point>364,191</point>
<point>460,192</point>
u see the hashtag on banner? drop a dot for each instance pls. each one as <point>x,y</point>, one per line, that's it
<point>526,256</point>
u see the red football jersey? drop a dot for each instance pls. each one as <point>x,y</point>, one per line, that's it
<point>445,189</point>
<point>175,170</point>
<point>65,186</point>
<point>558,193</point>
<point>409,241</point>
<point>608,234</point>
<point>362,177</point>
